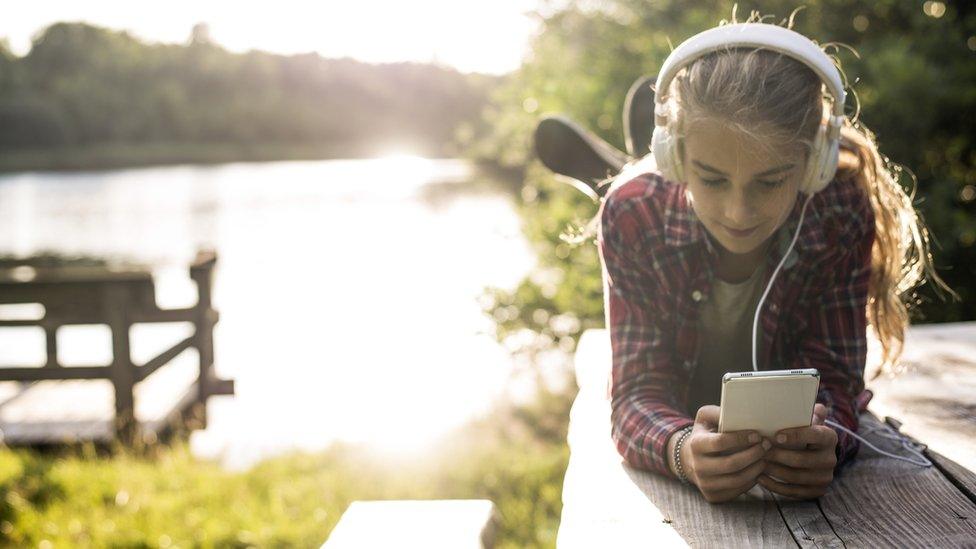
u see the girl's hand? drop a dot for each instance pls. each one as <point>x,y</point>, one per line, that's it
<point>721,465</point>
<point>801,463</point>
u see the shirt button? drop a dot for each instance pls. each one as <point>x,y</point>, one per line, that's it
<point>696,295</point>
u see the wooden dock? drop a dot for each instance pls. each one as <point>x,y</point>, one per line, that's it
<point>73,411</point>
<point>124,400</point>
<point>876,502</point>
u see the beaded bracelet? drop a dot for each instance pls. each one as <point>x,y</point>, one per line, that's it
<point>677,455</point>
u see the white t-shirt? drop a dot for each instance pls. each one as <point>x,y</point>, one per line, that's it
<point>725,336</point>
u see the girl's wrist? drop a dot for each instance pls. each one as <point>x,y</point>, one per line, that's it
<point>675,447</point>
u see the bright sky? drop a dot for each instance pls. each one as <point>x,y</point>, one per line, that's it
<point>472,35</point>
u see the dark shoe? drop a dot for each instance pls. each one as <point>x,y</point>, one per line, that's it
<point>569,150</point>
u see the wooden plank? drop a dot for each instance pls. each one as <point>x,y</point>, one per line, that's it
<point>935,398</point>
<point>163,358</point>
<point>882,502</point>
<point>122,369</point>
<point>962,478</point>
<point>93,316</point>
<point>29,373</point>
<point>806,522</point>
<point>445,524</point>
<point>602,506</point>
<point>75,273</point>
<point>751,520</point>
<point>924,506</point>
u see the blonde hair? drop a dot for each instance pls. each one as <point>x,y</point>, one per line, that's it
<point>775,99</point>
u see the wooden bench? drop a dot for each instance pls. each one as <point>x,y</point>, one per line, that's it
<point>876,502</point>
<point>54,403</point>
<point>459,523</point>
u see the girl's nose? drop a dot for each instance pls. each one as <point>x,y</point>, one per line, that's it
<point>739,211</point>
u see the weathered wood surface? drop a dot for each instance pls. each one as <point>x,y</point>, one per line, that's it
<point>935,397</point>
<point>877,502</point>
<point>446,523</point>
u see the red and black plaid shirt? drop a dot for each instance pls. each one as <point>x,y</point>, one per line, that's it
<point>658,265</point>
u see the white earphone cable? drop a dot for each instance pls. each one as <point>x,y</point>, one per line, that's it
<point>905,443</point>
<point>755,323</point>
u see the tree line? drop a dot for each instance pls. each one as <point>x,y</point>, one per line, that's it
<point>83,85</point>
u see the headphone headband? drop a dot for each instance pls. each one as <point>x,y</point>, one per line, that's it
<point>759,35</point>
<point>822,163</point>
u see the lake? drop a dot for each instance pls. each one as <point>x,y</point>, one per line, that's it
<point>348,289</point>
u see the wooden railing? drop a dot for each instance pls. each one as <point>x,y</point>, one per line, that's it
<point>118,298</point>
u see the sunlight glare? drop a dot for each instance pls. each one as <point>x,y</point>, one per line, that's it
<point>409,170</point>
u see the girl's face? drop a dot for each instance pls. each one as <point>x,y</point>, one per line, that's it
<point>741,196</point>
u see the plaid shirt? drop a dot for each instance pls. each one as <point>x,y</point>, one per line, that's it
<point>658,265</point>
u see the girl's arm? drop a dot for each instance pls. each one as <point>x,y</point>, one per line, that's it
<point>644,382</point>
<point>836,338</point>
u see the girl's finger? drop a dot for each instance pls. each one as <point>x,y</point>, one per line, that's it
<point>741,480</point>
<point>708,414</point>
<point>819,414</point>
<point>814,436</point>
<point>706,465</point>
<point>714,443</point>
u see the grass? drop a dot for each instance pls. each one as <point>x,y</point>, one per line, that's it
<point>162,496</point>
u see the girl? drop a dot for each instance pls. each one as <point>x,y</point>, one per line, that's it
<point>686,261</point>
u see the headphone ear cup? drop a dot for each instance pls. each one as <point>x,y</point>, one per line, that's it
<point>660,145</point>
<point>813,180</point>
<point>831,155</point>
<point>677,168</point>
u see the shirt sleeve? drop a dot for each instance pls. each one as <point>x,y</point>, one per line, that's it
<point>645,411</point>
<point>836,338</point>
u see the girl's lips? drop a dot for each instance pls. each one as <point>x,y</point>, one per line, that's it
<point>735,232</point>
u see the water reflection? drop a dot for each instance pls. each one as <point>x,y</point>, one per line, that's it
<point>347,289</point>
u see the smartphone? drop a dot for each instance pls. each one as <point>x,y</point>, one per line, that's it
<point>768,401</point>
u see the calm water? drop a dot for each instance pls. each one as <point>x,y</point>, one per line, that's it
<point>347,289</point>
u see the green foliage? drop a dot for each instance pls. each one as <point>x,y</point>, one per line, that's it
<point>562,296</point>
<point>915,79</point>
<point>83,86</point>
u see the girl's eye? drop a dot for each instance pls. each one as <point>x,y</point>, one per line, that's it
<point>773,184</point>
<point>767,184</point>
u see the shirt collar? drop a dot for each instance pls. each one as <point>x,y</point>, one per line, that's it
<point>682,227</point>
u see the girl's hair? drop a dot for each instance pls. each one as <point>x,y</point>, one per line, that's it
<point>779,102</point>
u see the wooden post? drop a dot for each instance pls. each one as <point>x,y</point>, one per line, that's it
<point>123,372</point>
<point>204,320</point>
<point>51,337</point>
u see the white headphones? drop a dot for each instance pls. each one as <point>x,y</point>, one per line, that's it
<point>823,157</point>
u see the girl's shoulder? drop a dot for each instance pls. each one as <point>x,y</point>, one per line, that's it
<point>845,210</point>
<point>635,208</point>
<point>642,185</point>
